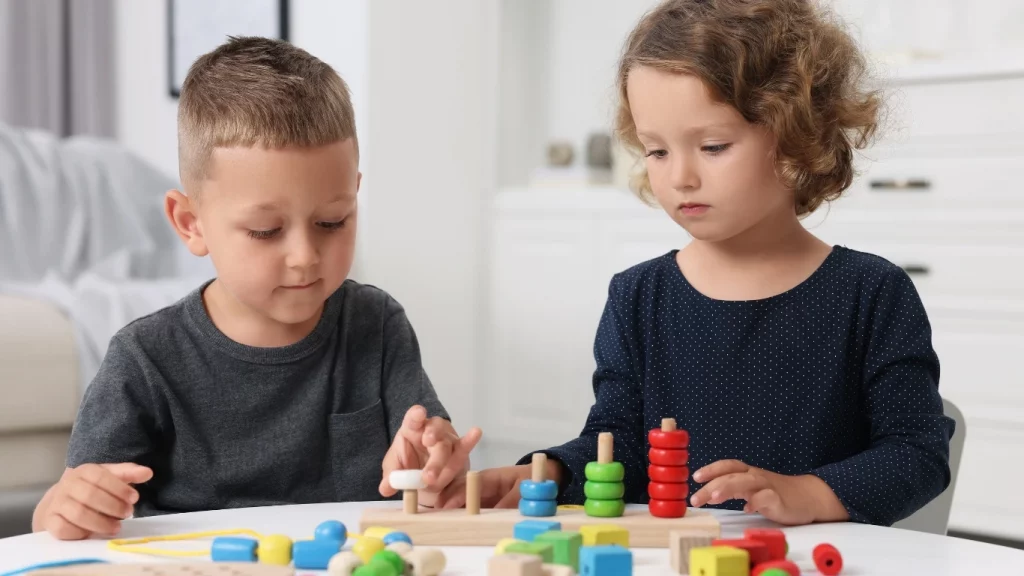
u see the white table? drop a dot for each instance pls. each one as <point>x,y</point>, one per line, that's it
<point>866,550</point>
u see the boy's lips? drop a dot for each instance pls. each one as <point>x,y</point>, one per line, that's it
<point>301,286</point>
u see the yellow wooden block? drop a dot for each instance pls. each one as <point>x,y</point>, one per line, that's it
<point>378,532</point>
<point>503,544</point>
<point>719,561</point>
<point>601,534</point>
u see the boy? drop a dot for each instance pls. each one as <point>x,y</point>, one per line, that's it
<point>279,381</point>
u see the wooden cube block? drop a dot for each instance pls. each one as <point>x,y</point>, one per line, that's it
<point>515,565</point>
<point>719,561</point>
<point>775,539</point>
<point>680,542</point>
<point>757,550</point>
<point>603,534</point>
<point>527,530</point>
<point>544,551</point>
<point>610,560</point>
<point>566,547</point>
<point>557,570</point>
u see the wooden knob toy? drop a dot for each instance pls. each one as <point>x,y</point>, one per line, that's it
<point>408,481</point>
<point>604,487</point>
<point>668,474</point>
<point>538,495</point>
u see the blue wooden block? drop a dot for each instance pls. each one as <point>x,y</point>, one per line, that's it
<point>393,537</point>
<point>537,508</point>
<point>546,490</point>
<point>331,530</point>
<point>314,554</point>
<point>233,549</point>
<point>608,560</point>
<point>527,530</point>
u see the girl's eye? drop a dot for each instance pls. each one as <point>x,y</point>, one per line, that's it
<point>656,153</point>
<point>332,225</point>
<point>263,234</point>
<point>716,148</point>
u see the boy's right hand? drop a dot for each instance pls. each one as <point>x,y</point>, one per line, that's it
<point>93,499</point>
<point>499,487</point>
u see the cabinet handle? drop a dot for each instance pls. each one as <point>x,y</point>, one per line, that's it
<point>916,269</point>
<point>911,184</point>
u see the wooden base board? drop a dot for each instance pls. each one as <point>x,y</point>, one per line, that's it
<point>459,528</point>
<point>169,569</point>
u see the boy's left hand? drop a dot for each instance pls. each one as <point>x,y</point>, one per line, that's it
<point>791,500</point>
<point>431,445</point>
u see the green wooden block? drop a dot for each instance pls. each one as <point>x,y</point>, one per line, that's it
<point>544,550</point>
<point>566,546</point>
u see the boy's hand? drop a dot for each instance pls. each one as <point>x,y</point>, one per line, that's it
<point>431,445</point>
<point>791,500</point>
<point>499,487</point>
<point>93,499</point>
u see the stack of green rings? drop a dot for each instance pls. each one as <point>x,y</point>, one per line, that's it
<point>604,488</point>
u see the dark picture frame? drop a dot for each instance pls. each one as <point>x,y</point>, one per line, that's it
<point>195,27</point>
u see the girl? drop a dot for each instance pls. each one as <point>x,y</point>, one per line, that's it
<point>803,372</point>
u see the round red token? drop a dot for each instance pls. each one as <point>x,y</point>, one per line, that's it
<point>675,474</point>
<point>667,508</point>
<point>667,491</point>
<point>827,559</point>
<point>671,439</point>
<point>663,457</point>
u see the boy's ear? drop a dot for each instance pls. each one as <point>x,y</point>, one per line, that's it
<point>182,216</point>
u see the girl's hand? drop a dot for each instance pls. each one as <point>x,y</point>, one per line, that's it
<point>790,500</point>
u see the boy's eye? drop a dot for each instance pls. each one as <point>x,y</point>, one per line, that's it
<point>715,148</point>
<point>656,153</point>
<point>332,225</point>
<point>264,234</point>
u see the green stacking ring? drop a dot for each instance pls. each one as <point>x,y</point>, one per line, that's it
<point>611,472</point>
<point>604,508</point>
<point>604,490</point>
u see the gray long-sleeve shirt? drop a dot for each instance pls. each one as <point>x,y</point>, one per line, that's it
<point>225,425</point>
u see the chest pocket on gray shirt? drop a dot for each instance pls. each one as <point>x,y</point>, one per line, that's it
<point>359,441</point>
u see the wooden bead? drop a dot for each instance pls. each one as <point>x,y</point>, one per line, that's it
<point>604,508</point>
<point>546,490</point>
<point>331,530</point>
<point>785,565</point>
<point>426,561</point>
<point>663,457</point>
<point>610,472</point>
<point>275,549</point>
<point>392,537</point>
<point>406,480</point>
<point>389,557</point>
<point>604,490</point>
<point>343,564</point>
<point>674,440</point>
<point>668,491</point>
<point>233,549</point>
<point>401,548</point>
<point>671,474</point>
<point>314,554</point>
<point>827,559</point>
<point>366,547</point>
<point>667,508</point>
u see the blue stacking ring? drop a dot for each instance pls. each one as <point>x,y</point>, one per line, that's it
<point>537,508</point>
<point>546,490</point>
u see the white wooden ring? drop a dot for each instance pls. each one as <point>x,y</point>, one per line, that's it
<point>407,480</point>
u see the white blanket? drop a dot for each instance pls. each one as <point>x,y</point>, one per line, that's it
<point>82,226</point>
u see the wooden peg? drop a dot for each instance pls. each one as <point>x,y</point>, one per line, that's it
<point>408,481</point>
<point>668,424</point>
<point>605,452</point>
<point>540,461</point>
<point>472,492</point>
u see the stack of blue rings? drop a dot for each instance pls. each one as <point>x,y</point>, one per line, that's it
<point>538,497</point>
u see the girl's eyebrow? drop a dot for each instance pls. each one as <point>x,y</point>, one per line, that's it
<point>691,129</point>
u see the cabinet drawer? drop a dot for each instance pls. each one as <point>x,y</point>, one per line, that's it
<point>922,112</point>
<point>990,466</point>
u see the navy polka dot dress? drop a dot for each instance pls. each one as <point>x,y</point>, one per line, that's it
<point>836,377</point>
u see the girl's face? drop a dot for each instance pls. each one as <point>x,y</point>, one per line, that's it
<point>710,170</point>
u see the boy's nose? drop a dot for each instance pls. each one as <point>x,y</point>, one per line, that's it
<point>302,253</point>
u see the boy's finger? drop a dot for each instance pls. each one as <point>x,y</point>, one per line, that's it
<point>459,459</point>
<point>729,487</point>
<point>413,423</point>
<point>88,519</point>
<point>453,495</point>
<point>104,478</point>
<point>61,529</point>
<point>92,496</point>
<point>129,472</point>
<point>440,453</point>
<point>763,500</point>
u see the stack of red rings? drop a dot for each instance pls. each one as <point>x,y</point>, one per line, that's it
<point>668,488</point>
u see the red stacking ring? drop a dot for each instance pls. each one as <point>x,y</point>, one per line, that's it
<point>667,491</point>
<point>827,559</point>
<point>668,439</point>
<point>667,508</point>
<point>674,474</point>
<point>663,457</point>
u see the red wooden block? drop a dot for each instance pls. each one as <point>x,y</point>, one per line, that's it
<point>827,559</point>
<point>775,539</point>
<point>667,508</point>
<point>671,440</point>
<point>758,550</point>
<point>668,491</point>
<point>663,457</point>
<point>671,474</point>
<point>791,568</point>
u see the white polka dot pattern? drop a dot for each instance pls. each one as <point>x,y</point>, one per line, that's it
<point>836,377</point>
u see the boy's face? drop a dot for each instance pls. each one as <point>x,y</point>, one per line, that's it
<point>280,225</point>
<point>710,170</point>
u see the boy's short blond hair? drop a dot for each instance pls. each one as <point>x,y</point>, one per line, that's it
<point>258,91</point>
